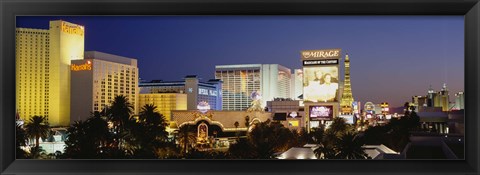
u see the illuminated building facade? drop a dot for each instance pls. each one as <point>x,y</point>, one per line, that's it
<point>384,108</point>
<point>98,78</point>
<point>43,70</point>
<point>419,101</point>
<point>239,81</point>
<point>437,99</point>
<point>165,102</point>
<point>288,112</point>
<point>444,100</point>
<point>459,101</point>
<point>347,97</point>
<point>296,86</point>
<point>195,90</point>
<point>217,129</point>
<point>321,87</point>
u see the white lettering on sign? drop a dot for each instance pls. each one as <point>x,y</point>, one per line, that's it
<point>202,91</point>
<point>212,93</point>
<point>321,54</point>
<point>320,62</point>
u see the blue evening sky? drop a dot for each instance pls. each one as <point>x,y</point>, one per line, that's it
<point>392,57</point>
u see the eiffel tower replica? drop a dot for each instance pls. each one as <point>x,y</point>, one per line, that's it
<point>347,97</point>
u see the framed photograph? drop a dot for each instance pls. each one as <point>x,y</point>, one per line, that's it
<point>239,87</point>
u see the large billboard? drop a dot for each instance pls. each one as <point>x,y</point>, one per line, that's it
<point>320,83</point>
<point>324,112</point>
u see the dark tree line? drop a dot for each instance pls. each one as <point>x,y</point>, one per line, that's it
<point>396,133</point>
<point>114,133</point>
<point>339,141</point>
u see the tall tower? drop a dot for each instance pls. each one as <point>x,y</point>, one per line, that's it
<point>347,97</point>
<point>43,70</point>
<point>444,100</point>
<point>431,97</point>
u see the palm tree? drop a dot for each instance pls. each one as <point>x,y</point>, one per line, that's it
<point>236,124</point>
<point>152,133</point>
<point>21,140</point>
<point>316,135</point>
<point>338,126</point>
<point>37,127</point>
<point>185,137</point>
<point>37,153</point>
<point>98,132</point>
<point>149,114</point>
<point>98,127</point>
<point>79,143</point>
<point>326,149</point>
<point>350,147</point>
<point>156,122</point>
<point>267,137</point>
<point>119,112</point>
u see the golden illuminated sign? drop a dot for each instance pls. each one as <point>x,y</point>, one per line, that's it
<point>86,66</point>
<point>321,54</point>
<point>72,29</point>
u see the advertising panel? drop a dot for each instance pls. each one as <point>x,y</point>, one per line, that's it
<point>349,119</point>
<point>293,123</point>
<point>355,107</point>
<point>321,113</point>
<point>320,84</point>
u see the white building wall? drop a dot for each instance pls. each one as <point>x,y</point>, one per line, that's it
<point>239,81</point>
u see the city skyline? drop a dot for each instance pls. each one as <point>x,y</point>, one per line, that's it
<point>387,54</point>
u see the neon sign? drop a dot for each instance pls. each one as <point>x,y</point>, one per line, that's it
<point>320,54</point>
<point>72,29</point>
<point>86,66</point>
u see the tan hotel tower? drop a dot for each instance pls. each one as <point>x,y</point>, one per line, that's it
<point>97,79</point>
<point>43,59</point>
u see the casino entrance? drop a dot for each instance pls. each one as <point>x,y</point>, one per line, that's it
<point>211,136</point>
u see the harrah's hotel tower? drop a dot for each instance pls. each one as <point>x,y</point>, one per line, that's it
<point>97,79</point>
<point>43,58</point>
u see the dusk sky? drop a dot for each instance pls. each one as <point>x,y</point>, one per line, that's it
<point>392,57</point>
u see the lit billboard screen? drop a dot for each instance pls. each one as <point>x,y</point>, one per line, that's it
<point>321,112</point>
<point>320,84</point>
<point>349,119</point>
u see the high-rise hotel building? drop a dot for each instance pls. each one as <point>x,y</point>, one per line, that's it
<point>460,100</point>
<point>240,81</point>
<point>43,70</point>
<point>296,86</point>
<point>98,78</point>
<point>195,91</point>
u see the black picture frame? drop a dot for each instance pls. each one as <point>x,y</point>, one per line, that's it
<point>9,9</point>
